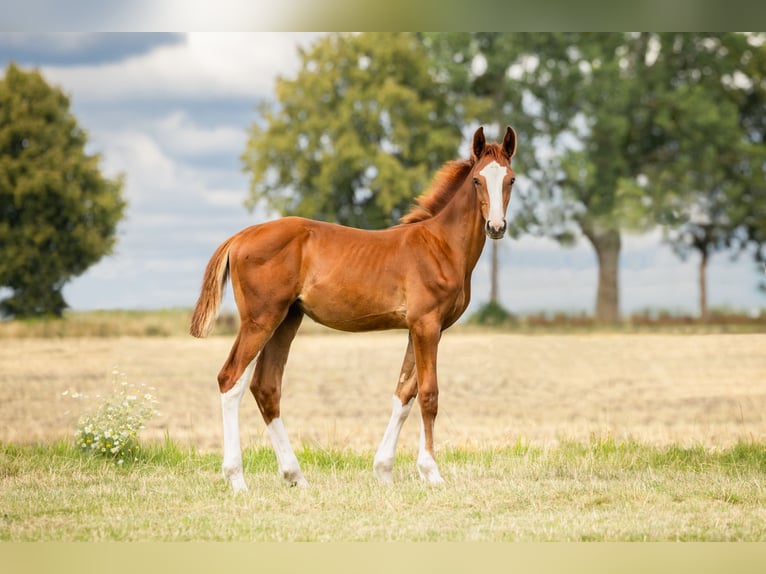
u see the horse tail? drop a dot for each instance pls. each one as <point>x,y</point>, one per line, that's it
<point>213,283</point>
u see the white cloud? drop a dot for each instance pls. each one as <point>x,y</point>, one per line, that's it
<point>147,168</point>
<point>177,214</point>
<point>206,66</point>
<point>226,197</point>
<point>181,135</point>
<point>155,180</point>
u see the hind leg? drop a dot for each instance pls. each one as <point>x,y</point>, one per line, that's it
<point>401,404</point>
<point>233,381</point>
<point>267,390</point>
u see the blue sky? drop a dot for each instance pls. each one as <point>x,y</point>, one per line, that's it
<point>170,112</point>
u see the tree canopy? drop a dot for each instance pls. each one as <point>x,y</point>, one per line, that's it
<point>715,186</point>
<point>751,92</point>
<point>356,135</point>
<point>623,132</point>
<point>58,213</point>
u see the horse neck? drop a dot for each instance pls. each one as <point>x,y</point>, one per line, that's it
<point>461,224</point>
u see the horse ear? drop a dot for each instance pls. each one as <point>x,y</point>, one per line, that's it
<point>509,142</point>
<point>478,144</point>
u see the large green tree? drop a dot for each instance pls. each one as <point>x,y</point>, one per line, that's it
<point>751,100</point>
<point>612,124</point>
<point>356,135</point>
<point>595,94</point>
<point>714,188</point>
<point>58,213</point>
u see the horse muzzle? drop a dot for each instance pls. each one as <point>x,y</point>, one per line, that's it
<point>495,231</point>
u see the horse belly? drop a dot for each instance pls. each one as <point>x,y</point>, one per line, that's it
<point>354,280</point>
<point>353,311</point>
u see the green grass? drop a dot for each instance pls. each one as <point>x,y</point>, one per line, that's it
<point>601,490</point>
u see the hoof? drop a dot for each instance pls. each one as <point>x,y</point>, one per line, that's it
<point>237,482</point>
<point>431,479</point>
<point>300,483</point>
<point>295,478</point>
<point>232,473</point>
<point>429,472</point>
<point>382,469</point>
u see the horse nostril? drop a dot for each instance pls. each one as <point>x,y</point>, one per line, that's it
<point>495,231</point>
<point>495,227</point>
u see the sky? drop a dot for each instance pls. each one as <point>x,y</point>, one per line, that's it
<point>171,113</point>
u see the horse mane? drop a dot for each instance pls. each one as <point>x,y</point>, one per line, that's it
<point>444,185</point>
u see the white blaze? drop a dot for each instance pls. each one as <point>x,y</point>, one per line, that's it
<point>494,173</point>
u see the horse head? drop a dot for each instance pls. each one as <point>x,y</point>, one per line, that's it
<point>493,179</point>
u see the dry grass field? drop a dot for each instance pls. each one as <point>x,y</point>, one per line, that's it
<point>541,437</point>
<point>496,389</point>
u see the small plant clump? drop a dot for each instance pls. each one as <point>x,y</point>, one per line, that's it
<point>492,314</point>
<point>112,429</point>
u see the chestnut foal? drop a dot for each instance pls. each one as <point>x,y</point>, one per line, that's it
<point>414,276</point>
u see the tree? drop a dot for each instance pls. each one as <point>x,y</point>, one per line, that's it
<point>715,186</point>
<point>624,131</point>
<point>594,92</point>
<point>606,116</point>
<point>544,85</point>
<point>698,214</point>
<point>356,135</point>
<point>58,214</point>
<point>751,102</point>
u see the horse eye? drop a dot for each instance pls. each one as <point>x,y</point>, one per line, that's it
<point>476,181</point>
<point>513,180</point>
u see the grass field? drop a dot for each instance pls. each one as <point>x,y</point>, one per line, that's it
<point>602,490</point>
<point>545,437</point>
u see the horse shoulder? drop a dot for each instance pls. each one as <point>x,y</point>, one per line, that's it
<point>434,282</point>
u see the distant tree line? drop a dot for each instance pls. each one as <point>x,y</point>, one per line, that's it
<point>618,132</point>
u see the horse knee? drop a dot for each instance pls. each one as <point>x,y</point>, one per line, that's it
<point>234,375</point>
<point>225,381</point>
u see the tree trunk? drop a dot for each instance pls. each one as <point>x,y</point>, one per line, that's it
<point>607,245</point>
<point>704,315</point>
<point>493,273</point>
